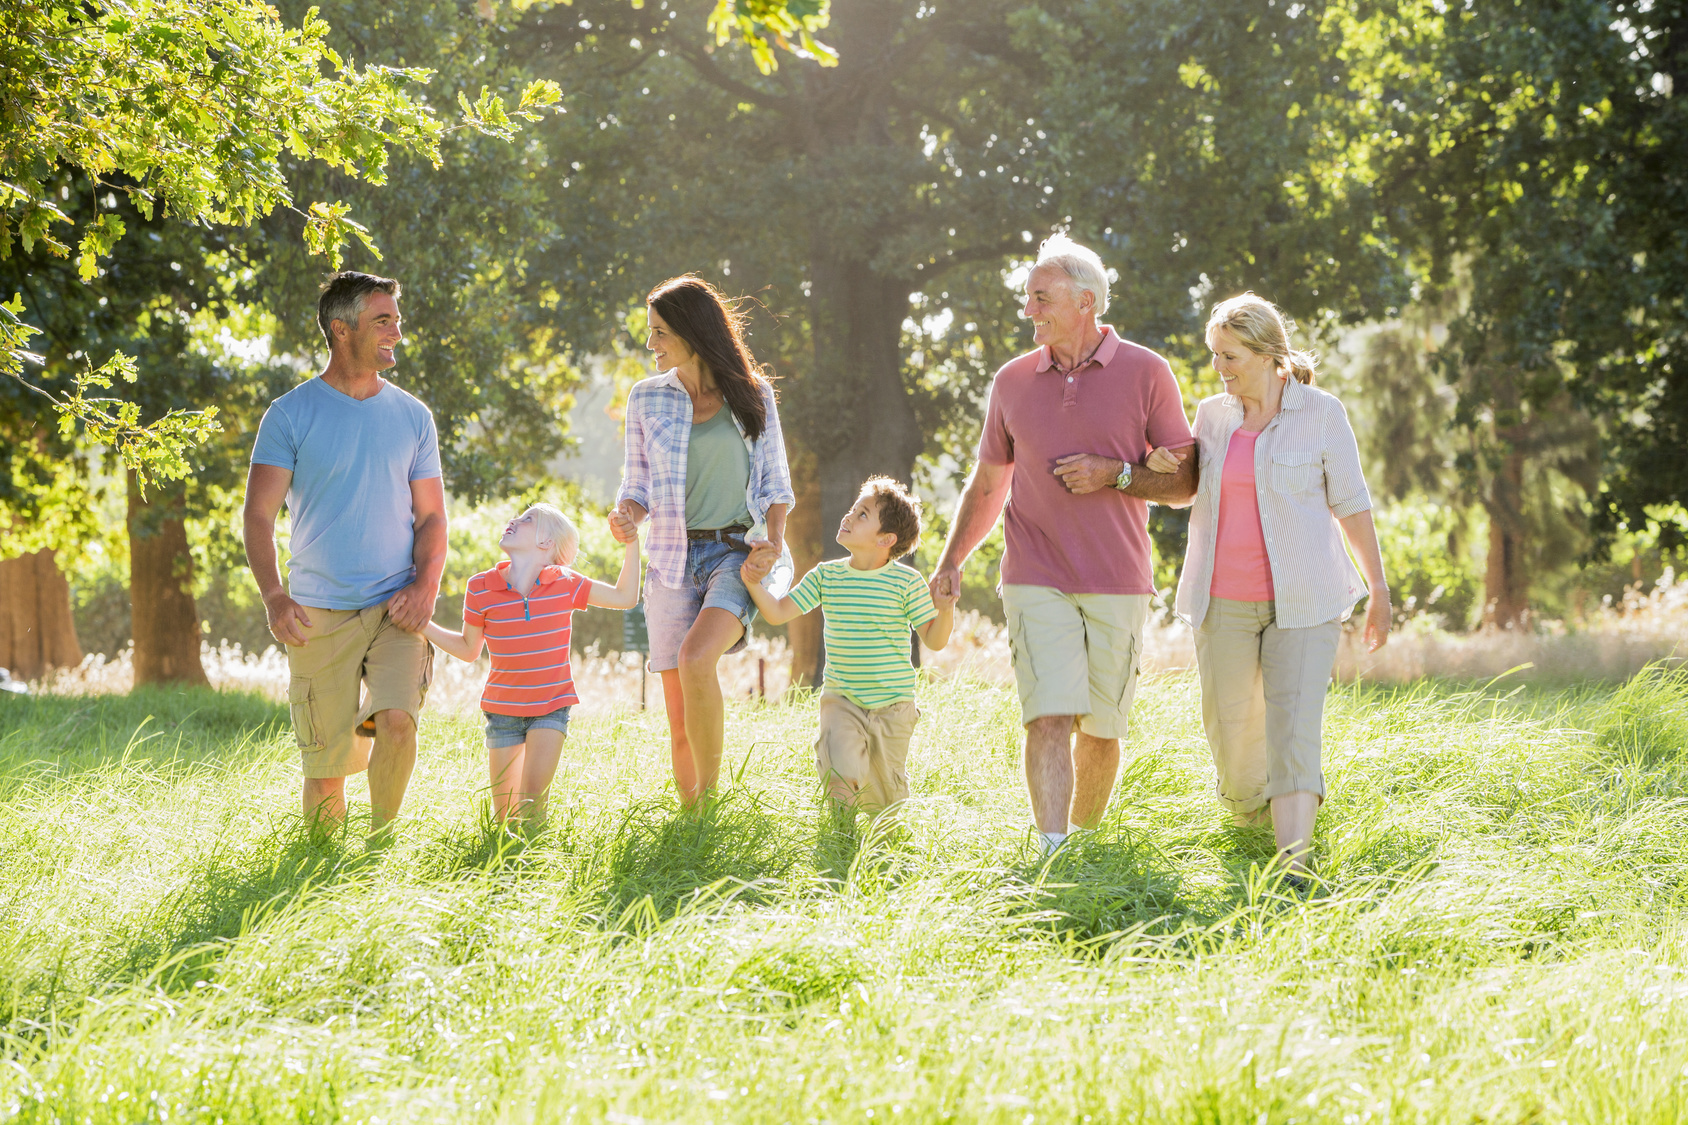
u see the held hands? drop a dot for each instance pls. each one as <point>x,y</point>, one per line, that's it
<point>413,607</point>
<point>286,618</point>
<point>623,524</point>
<point>945,585</point>
<point>1163,460</point>
<point>759,563</point>
<point>1081,473</point>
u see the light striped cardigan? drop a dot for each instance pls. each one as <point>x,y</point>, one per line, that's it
<point>1307,476</point>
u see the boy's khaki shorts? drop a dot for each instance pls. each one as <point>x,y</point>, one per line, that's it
<point>1076,654</point>
<point>861,754</point>
<point>346,650</point>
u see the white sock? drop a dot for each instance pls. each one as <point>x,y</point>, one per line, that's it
<point>1051,840</point>
<point>1071,828</point>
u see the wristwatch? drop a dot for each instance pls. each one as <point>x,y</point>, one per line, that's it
<point>1123,481</point>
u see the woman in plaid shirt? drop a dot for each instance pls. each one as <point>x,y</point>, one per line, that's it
<point>705,465</point>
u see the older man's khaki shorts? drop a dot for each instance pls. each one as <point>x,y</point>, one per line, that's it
<point>1076,654</point>
<point>354,662</point>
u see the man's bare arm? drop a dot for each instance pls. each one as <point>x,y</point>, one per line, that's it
<point>266,489</point>
<point>1175,490</point>
<point>413,607</point>
<point>1084,473</point>
<point>981,503</point>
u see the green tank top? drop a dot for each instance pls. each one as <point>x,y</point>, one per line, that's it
<point>717,474</point>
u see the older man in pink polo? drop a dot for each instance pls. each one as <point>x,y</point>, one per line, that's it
<point>1067,431</point>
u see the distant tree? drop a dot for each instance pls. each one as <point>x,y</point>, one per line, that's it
<point>1538,153</point>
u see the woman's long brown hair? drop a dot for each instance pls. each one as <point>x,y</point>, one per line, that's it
<point>701,315</point>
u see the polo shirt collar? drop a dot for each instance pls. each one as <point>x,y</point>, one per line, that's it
<point>1104,351</point>
<point>551,572</point>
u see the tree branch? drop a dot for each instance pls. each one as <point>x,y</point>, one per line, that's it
<point>712,73</point>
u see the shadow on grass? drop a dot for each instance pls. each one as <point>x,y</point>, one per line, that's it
<point>666,855</point>
<point>1117,882</point>
<point>485,847</point>
<point>229,893</point>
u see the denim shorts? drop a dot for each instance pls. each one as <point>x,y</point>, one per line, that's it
<point>711,582</point>
<point>505,731</point>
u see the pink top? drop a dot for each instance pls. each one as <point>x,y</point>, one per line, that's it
<point>1117,405</point>
<point>1241,570</point>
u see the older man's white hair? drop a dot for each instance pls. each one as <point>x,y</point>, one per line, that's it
<point>1080,263</point>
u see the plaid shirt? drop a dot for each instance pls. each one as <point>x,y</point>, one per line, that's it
<point>659,430</point>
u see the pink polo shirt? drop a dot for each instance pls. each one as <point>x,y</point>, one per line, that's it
<point>1118,405</point>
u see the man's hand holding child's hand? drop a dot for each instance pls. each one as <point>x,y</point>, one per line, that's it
<point>759,563</point>
<point>945,595</point>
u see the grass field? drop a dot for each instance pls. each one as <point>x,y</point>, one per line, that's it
<point>1501,937</point>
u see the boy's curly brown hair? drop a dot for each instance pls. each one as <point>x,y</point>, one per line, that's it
<point>899,512</point>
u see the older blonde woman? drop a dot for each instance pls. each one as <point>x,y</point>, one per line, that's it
<point>1268,580</point>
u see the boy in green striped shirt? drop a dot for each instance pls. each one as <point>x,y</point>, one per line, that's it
<point>870,602</point>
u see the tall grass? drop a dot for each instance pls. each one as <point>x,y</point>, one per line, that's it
<point>1499,936</point>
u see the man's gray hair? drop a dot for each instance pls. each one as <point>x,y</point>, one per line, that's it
<point>343,297</point>
<point>1080,263</point>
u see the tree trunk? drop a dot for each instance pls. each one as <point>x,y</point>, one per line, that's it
<point>1506,585</point>
<point>36,629</point>
<point>165,619</point>
<point>853,414</point>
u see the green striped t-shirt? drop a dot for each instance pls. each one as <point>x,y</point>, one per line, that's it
<point>868,616</point>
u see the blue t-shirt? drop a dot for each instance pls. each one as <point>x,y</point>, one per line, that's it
<point>352,463</point>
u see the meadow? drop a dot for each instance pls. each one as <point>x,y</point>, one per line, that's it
<point>1499,935</point>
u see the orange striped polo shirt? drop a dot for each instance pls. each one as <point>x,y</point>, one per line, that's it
<point>528,638</point>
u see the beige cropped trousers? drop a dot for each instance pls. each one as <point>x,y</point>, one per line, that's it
<point>1263,702</point>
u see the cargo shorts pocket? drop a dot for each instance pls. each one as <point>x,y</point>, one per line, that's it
<point>1133,668</point>
<point>302,708</point>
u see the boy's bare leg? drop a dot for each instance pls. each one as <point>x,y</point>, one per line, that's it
<point>1049,771</point>
<point>679,747</point>
<point>390,766</point>
<point>539,767</point>
<point>1095,766</point>
<point>325,803</point>
<point>711,635</point>
<point>504,769</point>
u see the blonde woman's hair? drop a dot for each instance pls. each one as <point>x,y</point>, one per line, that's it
<point>550,523</point>
<point>1262,328</point>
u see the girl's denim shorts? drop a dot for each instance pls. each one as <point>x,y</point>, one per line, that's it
<point>505,731</point>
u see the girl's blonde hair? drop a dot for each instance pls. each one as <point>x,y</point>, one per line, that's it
<point>550,523</point>
<point>1262,328</point>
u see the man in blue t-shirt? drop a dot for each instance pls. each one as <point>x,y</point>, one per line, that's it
<point>358,463</point>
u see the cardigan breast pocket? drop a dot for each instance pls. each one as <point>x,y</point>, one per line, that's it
<point>1296,472</point>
